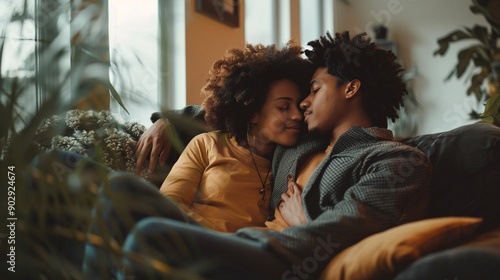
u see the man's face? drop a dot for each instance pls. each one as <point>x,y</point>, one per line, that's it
<point>325,106</point>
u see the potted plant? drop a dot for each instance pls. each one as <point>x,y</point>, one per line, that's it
<point>47,218</point>
<point>484,55</point>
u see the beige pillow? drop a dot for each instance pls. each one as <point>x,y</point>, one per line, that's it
<point>383,255</point>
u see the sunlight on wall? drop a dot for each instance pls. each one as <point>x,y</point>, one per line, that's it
<point>206,41</point>
<point>133,43</point>
<point>416,27</point>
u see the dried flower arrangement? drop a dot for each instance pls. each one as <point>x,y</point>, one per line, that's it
<point>99,135</point>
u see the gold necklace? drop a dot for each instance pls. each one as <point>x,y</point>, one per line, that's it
<point>263,190</point>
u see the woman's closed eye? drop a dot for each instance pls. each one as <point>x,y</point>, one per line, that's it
<point>283,109</point>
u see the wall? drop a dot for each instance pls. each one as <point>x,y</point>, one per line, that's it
<point>416,26</point>
<point>206,41</point>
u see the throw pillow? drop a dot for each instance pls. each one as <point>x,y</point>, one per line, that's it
<point>383,255</point>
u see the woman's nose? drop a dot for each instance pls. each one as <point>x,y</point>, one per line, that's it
<point>296,115</point>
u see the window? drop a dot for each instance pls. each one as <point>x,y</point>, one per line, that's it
<point>147,53</point>
<point>44,40</point>
<point>18,42</point>
<point>172,71</point>
<point>133,45</point>
<point>260,22</point>
<point>273,22</point>
<point>267,22</point>
<point>31,54</point>
<point>316,18</point>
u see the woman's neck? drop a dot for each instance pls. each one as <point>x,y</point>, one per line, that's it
<point>263,148</point>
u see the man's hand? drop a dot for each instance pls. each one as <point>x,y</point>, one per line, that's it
<point>291,205</point>
<point>156,142</point>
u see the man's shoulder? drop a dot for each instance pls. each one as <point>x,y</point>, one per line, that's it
<point>394,157</point>
<point>386,149</point>
<point>392,147</point>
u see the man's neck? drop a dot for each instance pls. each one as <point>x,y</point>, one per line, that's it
<point>340,129</point>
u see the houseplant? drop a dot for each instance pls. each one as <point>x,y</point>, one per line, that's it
<point>483,55</point>
<point>60,50</point>
<point>65,67</point>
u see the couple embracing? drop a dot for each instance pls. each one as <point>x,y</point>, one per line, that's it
<point>301,165</point>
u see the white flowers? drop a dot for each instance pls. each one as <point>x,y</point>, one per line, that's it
<point>98,135</point>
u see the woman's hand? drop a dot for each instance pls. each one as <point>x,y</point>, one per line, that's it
<point>291,205</point>
<point>156,142</point>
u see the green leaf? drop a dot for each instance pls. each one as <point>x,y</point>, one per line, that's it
<point>464,58</point>
<point>480,61</point>
<point>477,8</point>
<point>479,93</point>
<point>466,55</point>
<point>116,95</point>
<point>474,115</point>
<point>489,119</point>
<point>87,50</point>
<point>476,82</point>
<point>444,42</point>
<point>481,33</point>
<point>492,106</point>
<point>451,74</point>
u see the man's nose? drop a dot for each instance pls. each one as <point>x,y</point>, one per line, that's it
<point>305,103</point>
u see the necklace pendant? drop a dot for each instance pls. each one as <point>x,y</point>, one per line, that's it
<point>261,191</point>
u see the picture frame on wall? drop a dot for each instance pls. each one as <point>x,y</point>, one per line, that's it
<point>223,11</point>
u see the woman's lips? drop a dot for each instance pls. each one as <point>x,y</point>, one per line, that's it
<point>294,127</point>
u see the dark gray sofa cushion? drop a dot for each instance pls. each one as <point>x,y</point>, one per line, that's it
<point>466,172</point>
<point>460,263</point>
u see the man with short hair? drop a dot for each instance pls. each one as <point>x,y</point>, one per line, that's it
<point>346,180</point>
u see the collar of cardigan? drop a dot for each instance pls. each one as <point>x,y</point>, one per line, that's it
<point>356,135</point>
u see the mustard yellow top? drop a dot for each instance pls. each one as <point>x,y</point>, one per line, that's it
<point>215,182</point>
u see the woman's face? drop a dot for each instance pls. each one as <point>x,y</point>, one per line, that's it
<point>280,119</point>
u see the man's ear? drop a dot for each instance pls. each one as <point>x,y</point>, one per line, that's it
<point>352,88</point>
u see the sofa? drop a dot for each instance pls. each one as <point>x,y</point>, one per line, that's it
<point>459,240</point>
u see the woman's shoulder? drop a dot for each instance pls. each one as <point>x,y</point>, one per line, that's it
<point>210,138</point>
<point>214,143</point>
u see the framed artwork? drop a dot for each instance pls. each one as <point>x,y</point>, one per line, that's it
<point>224,11</point>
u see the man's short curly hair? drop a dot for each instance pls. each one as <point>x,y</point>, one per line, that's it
<point>382,86</point>
<point>238,84</point>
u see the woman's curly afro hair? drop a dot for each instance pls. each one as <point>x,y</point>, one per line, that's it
<point>238,84</point>
<point>382,87</point>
